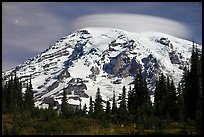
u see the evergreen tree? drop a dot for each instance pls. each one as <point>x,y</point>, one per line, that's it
<point>142,103</point>
<point>80,106</point>
<point>185,83</point>
<point>78,111</point>
<point>130,101</point>
<point>98,106</point>
<point>168,84</point>
<point>167,100</point>
<point>122,110</point>
<point>49,114</point>
<point>18,93</point>
<point>199,101</point>
<point>4,98</point>
<point>160,96</point>
<point>191,88</point>
<point>10,95</point>
<point>84,110</point>
<point>172,102</point>
<point>64,105</point>
<point>90,107</point>
<point>108,108</point>
<point>180,104</point>
<point>114,104</point>
<point>29,101</point>
<point>122,104</point>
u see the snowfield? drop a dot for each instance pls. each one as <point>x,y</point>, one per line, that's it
<point>103,58</point>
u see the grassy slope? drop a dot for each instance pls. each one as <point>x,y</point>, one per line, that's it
<point>82,126</point>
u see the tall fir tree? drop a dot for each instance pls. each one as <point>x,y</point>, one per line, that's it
<point>91,107</point>
<point>18,92</point>
<point>98,106</point>
<point>108,109</point>
<point>84,110</point>
<point>64,105</point>
<point>122,102</point>
<point>130,101</point>
<point>167,100</point>
<point>184,84</point>
<point>191,89</point>
<point>10,95</point>
<point>29,101</point>
<point>160,96</point>
<point>114,104</point>
<point>172,102</point>
<point>180,104</point>
<point>4,94</point>
<point>142,103</point>
<point>198,118</point>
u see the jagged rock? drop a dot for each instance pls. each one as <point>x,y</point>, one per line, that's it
<point>95,71</point>
<point>126,71</point>
<point>78,86</point>
<point>134,67</point>
<point>117,64</point>
<point>151,71</point>
<point>164,41</point>
<point>174,57</point>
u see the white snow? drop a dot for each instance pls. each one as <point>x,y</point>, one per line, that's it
<point>100,39</point>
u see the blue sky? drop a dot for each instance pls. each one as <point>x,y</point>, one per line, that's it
<point>28,28</point>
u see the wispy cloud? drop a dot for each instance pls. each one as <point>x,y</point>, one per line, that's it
<point>28,27</point>
<point>133,23</point>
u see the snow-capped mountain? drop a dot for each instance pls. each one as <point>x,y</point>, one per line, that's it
<point>102,57</point>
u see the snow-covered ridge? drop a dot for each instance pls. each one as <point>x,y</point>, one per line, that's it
<point>107,58</point>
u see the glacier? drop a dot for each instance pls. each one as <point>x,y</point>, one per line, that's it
<point>105,58</point>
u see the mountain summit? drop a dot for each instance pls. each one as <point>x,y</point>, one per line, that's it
<point>104,58</point>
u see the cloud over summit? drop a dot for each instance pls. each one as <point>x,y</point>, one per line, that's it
<point>133,23</point>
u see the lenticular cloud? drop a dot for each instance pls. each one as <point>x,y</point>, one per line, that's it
<point>133,23</point>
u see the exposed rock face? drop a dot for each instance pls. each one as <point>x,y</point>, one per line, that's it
<point>95,71</point>
<point>164,41</point>
<point>152,70</point>
<point>77,86</point>
<point>134,67</point>
<point>174,57</point>
<point>117,65</point>
<point>122,66</point>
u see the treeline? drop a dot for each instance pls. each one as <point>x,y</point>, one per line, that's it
<point>13,99</point>
<point>181,105</point>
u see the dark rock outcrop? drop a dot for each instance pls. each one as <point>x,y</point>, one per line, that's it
<point>174,57</point>
<point>164,41</point>
<point>77,86</point>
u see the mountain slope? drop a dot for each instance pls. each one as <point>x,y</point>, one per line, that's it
<point>103,57</point>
